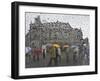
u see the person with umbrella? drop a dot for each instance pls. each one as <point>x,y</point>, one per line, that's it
<point>75,54</point>
<point>52,52</point>
<point>67,51</point>
<point>58,53</point>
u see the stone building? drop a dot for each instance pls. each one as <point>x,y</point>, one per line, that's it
<point>50,32</point>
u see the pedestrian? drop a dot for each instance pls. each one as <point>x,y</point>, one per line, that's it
<point>67,52</point>
<point>44,51</point>
<point>52,52</point>
<point>58,54</point>
<point>76,55</point>
<point>38,52</point>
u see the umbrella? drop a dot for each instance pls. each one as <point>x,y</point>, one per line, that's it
<point>48,44</point>
<point>65,46</point>
<point>56,45</point>
<point>27,49</point>
<point>74,46</point>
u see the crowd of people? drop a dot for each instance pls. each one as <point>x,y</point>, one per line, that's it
<point>73,54</point>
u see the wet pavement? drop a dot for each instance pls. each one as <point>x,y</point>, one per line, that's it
<point>44,62</point>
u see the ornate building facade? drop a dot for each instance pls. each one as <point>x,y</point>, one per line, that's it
<point>50,32</point>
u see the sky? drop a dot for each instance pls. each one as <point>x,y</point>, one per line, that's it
<point>75,20</point>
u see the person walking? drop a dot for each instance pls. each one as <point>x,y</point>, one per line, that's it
<point>52,52</point>
<point>58,54</point>
<point>44,51</point>
<point>67,52</point>
<point>36,54</point>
